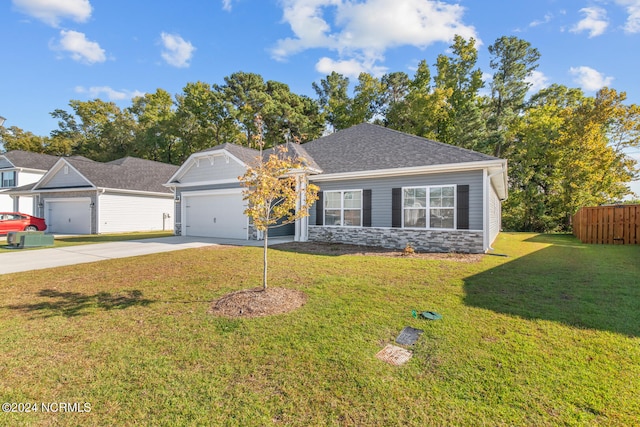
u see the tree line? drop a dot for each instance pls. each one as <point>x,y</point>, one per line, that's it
<point>565,149</point>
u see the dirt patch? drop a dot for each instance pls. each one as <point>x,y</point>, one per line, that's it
<point>337,249</point>
<point>258,302</point>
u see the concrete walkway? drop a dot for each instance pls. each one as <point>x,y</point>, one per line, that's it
<point>26,260</point>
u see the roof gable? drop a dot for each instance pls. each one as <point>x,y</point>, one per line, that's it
<point>222,163</point>
<point>63,175</point>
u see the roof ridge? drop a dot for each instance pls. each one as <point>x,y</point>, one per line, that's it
<point>422,138</point>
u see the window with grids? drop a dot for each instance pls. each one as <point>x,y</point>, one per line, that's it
<point>343,208</point>
<point>429,207</point>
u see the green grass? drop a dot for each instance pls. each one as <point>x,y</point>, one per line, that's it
<point>61,241</point>
<point>549,335</point>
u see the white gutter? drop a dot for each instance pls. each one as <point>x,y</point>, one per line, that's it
<point>450,167</point>
<point>200,183</point>
<point>103,189</point>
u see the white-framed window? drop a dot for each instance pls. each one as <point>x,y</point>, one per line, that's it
<point>8,179</point>
<point>429,207</point>
<point>343,208</point>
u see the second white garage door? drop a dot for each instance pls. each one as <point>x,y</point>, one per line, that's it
<point>68,216</point>
<point>214,214</point>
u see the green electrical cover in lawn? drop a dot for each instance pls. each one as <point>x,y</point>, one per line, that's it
<point>431,315</point>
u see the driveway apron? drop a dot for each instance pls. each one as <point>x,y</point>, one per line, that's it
<point>26,260</point>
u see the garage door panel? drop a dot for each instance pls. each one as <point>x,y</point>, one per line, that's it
<point>215,215</point>
<point>69,216</point>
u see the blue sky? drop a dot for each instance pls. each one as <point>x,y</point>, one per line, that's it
<point>57,50</point>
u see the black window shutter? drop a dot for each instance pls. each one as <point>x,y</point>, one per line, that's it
<point>396,207</point>
<point>463,207</point>
<point>319,209</point>
<point>366,208</point>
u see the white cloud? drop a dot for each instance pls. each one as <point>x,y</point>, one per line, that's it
<point>595,21</point>
<point>547,18</point>
<point>81,49</point>
<point>177,51</point>
<point>349,68</point>
<point>590,79</point>
<point>52,12</point>
<point>633,20</point>
<point>226,5</point>
<point>110,94</point>
<point>362,31</point>
<point>538,81</point>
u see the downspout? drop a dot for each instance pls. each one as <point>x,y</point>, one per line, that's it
<point>175,210</point>
<point>96,207</point>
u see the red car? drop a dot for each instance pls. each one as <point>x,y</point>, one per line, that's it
<point>16,221</point>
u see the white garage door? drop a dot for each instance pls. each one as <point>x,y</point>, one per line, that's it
<point>214,214</point>
<point>68,216</point>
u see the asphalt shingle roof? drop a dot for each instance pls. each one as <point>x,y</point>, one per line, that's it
<point>371,147</point>
<point>128,173</point>
<point>249,155</point>
<point>29,160</point>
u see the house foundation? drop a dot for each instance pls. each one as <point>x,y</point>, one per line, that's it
<point>444,241</point>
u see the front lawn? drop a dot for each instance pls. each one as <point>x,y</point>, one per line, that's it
<point>549,335</point>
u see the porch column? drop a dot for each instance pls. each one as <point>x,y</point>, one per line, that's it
<point>302,224</point>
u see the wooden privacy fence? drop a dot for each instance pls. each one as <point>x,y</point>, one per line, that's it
<point>608,225</point>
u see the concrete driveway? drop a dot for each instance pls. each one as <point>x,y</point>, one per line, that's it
<point>21,260</point>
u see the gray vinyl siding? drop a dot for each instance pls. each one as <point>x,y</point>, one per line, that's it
<point>381,193</point>
<point>177,214</point>
<point>204,171</point>
<point>62,180</point>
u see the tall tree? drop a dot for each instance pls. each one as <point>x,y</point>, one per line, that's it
<point>513,60</point>
<point>334,101</point>
<point>566,156</point>
<point>368,99</point>
<point>85,129</point>
<point>395,108</point>
<point>423,108</point>
<point>203,119</point>
<point>290,116</point>
<point>596,168</point>
<point>154,114</point>
<point>246,96</point>
<point>463,125</point>
<point>14,138</point>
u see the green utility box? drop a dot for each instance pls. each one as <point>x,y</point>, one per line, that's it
<point>29,239</point>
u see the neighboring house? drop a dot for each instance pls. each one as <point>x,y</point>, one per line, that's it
<point>378,187</point>
<point>81,196</point>
<point>18,168</point>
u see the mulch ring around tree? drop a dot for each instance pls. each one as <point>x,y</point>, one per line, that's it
<point>258,302</point>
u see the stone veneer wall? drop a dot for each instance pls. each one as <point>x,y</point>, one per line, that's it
<point>462,241</point>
